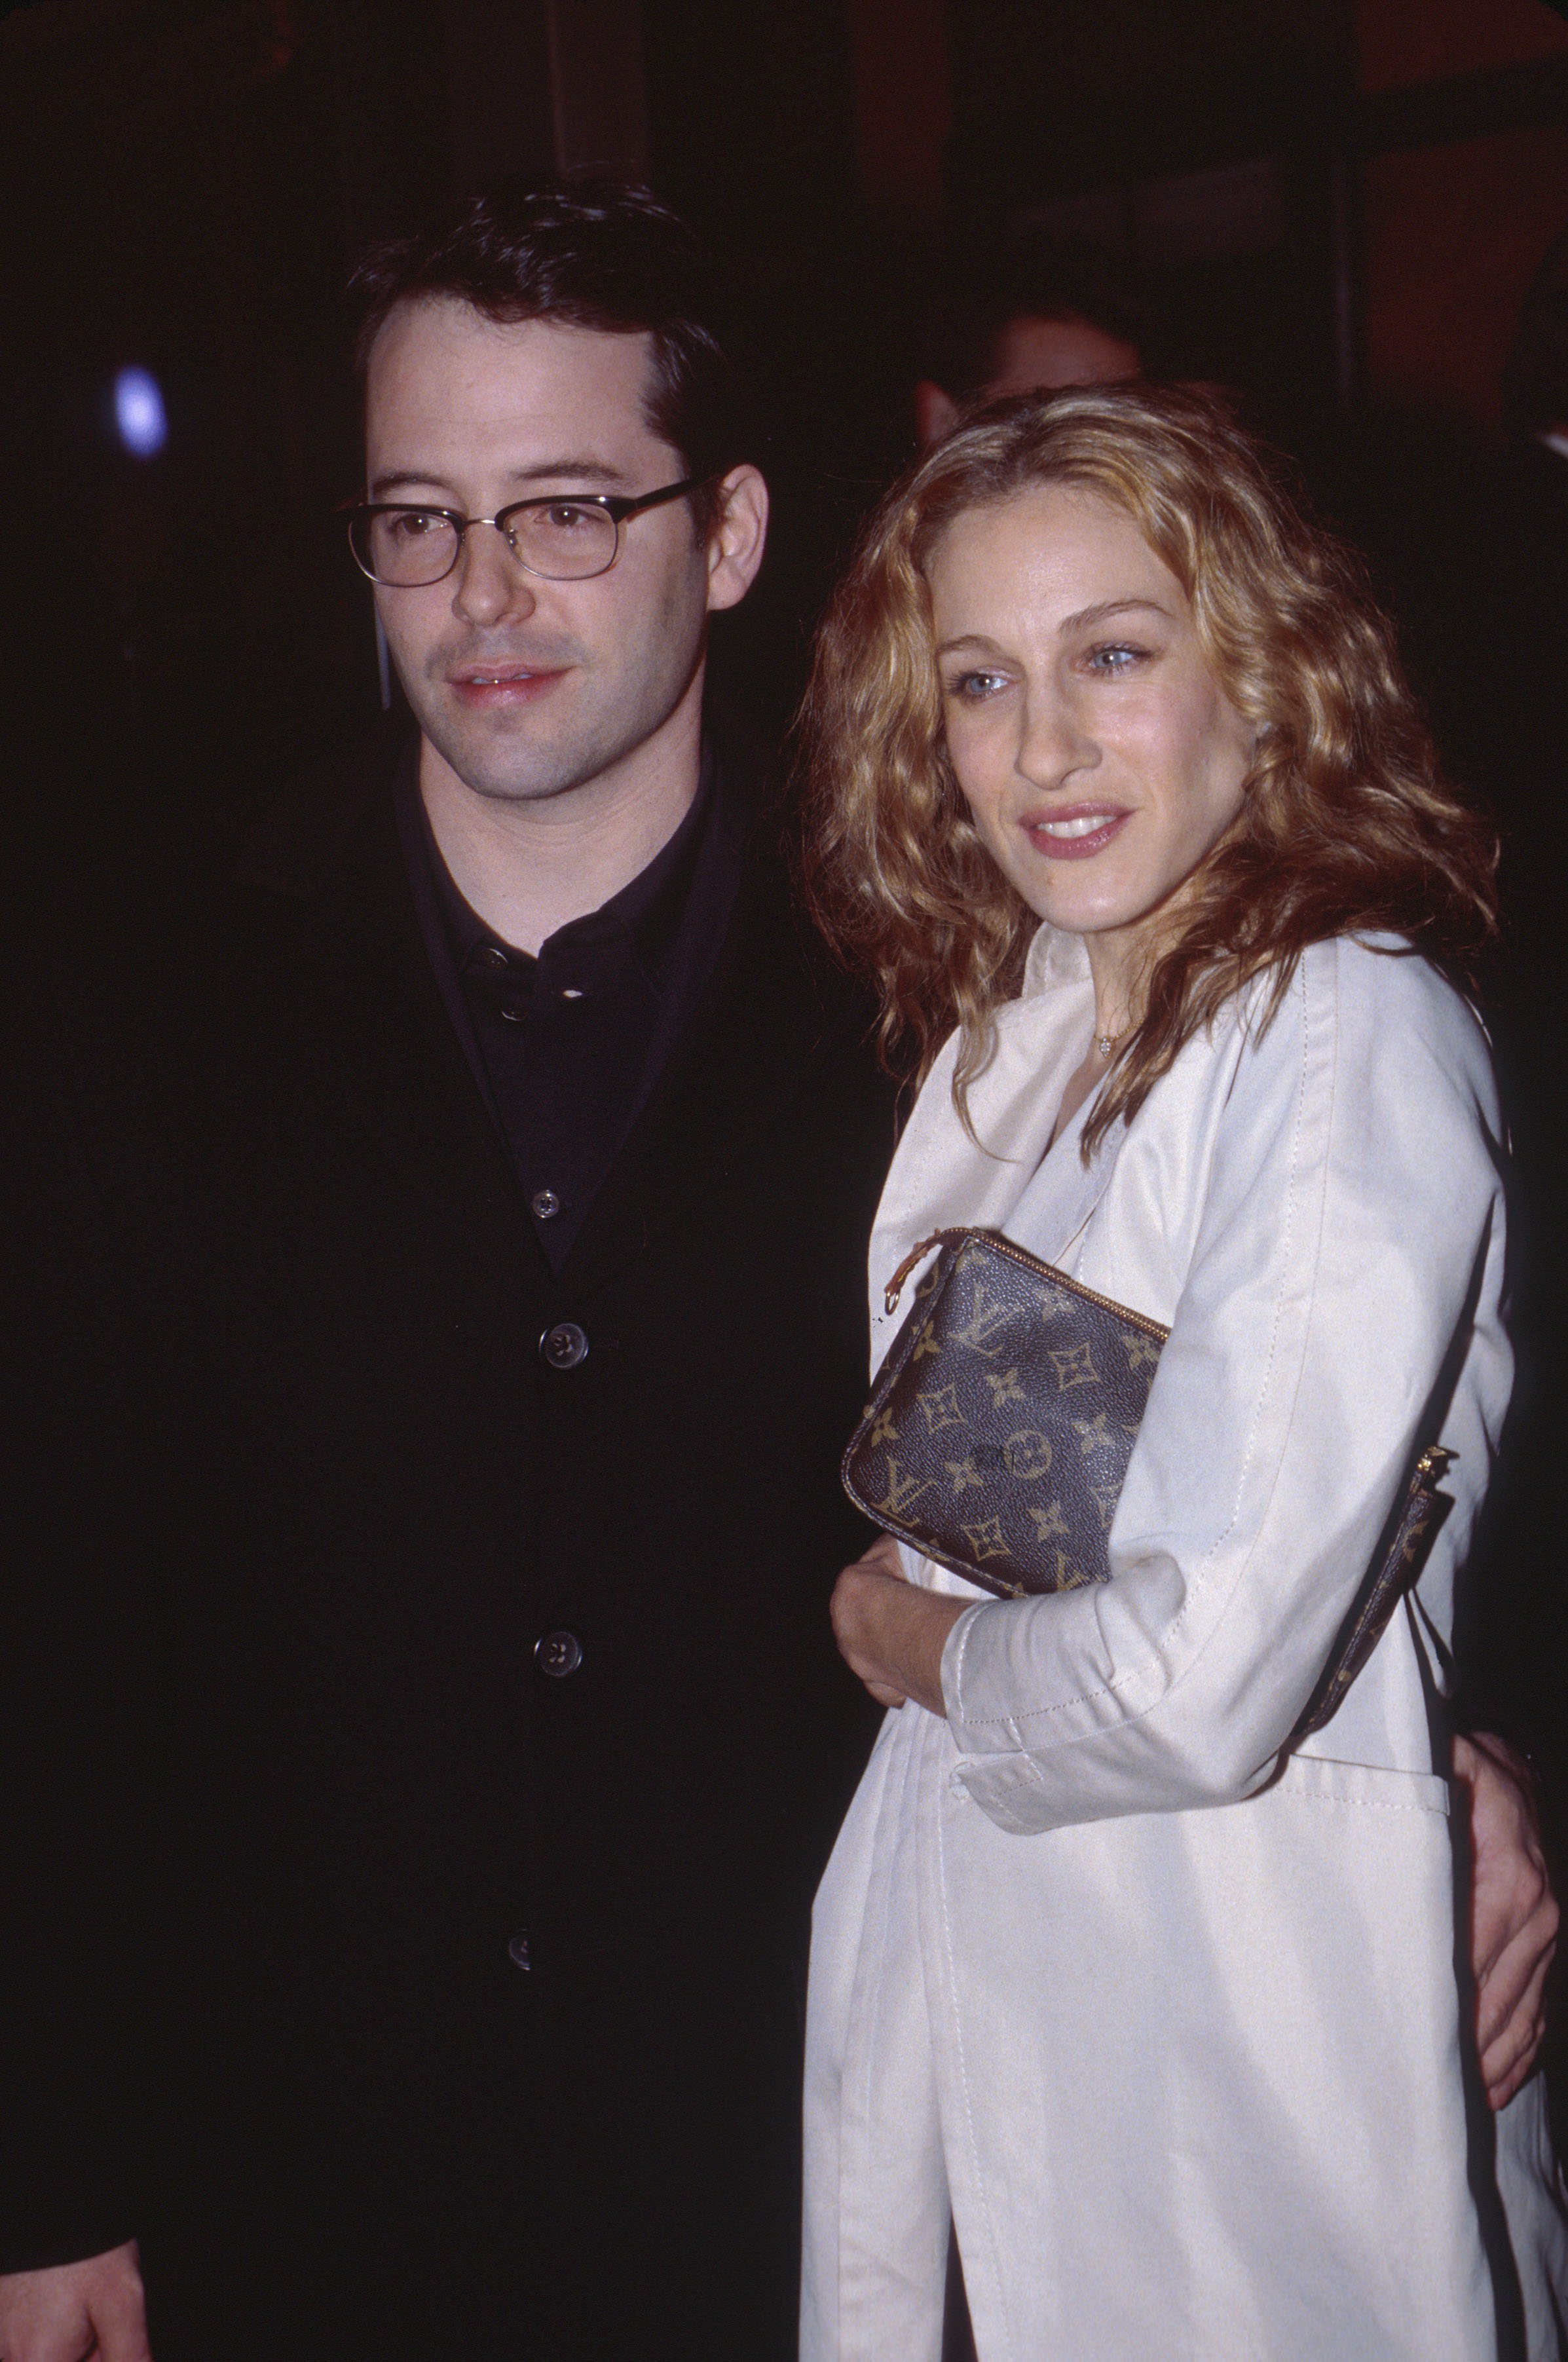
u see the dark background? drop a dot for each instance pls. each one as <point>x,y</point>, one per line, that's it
<point>1335,206</point>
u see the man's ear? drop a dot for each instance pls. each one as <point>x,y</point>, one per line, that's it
<point>936,412</point>
<point>735,544</point>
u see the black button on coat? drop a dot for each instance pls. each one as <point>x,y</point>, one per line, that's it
<point>295,1499</point>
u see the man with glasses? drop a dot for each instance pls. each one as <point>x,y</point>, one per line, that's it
<point>422,1729</point>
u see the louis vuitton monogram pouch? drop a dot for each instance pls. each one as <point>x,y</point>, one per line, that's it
<point>1003,1418</point>
<point>999,1433</point>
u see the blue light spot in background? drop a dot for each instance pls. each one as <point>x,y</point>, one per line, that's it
<point>140,416</point>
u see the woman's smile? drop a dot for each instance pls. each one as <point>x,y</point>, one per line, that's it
<point>1076,832</point>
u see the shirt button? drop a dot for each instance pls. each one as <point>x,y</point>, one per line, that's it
<point>564,1346</point>
<point>515,1012</point>
<point>558,1654</point>
<point>544,1205</point>
<point>493,956</point>
<point>518,1952</point>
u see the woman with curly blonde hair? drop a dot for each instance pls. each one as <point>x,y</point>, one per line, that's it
<point>1117,793</point>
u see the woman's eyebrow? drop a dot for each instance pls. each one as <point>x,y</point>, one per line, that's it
<point>1087,616</point>
<point>969,640</point>
<point>1084,620</point>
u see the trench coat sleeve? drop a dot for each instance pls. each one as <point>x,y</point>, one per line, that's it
<point>1339,1178</point>
<point>75,1726</point>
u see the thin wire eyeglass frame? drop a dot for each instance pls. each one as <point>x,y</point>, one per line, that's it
<point>618,507</point>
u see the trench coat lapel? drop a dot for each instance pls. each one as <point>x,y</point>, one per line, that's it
<point>940,1179</point>
<point>1066,1190</point>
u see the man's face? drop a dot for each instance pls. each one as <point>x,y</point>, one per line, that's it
<point>526,688</point>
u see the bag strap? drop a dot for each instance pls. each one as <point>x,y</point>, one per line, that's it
<point>895,1287</point>
<point>1380,1595</point>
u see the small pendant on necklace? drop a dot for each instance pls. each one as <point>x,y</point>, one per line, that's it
<point>1105,1043</point>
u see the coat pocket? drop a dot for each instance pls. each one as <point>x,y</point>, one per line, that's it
<point>1323,1779</point>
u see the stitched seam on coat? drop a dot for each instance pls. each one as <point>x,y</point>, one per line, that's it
<point>1356,1804</point>
<point>1276,1796</point>
<point>957,2029</point>
<point>1205,1565</point>
<point>1135,1673</point>
<point>863,2017</point>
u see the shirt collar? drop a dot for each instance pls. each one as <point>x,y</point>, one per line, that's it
<point>1055,958</point>
<point>645,914</point>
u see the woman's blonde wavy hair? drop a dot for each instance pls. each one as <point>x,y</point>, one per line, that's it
<point>1346,825</point>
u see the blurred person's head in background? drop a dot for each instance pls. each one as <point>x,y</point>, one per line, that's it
<point>1029,313</point>
<point>1535,378</point>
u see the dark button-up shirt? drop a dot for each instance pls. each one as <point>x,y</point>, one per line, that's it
<point>565,1047</point>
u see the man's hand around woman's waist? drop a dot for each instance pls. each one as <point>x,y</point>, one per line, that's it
<point>1513,1911</point>
<point>73,2310</point>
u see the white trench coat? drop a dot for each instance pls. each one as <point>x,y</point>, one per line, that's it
<point>1172,2025</point>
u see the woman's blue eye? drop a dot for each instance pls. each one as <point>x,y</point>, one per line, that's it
<point>1116,659</point>
<point>974,685</point>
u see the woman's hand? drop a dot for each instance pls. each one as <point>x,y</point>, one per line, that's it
<point>890,1632</point>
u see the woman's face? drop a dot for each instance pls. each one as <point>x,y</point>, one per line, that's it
<point>1096,751</point>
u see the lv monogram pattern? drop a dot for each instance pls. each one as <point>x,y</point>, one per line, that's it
<point>1002,1423</point>
<point>1004,1419</point>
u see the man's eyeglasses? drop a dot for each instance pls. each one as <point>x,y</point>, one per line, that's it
<point>565,538</point>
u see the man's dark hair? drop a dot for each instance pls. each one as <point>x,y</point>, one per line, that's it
<point>587,253</point>
<point>1023,273</point>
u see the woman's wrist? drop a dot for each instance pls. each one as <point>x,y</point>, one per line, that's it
<point>893,1634</point>
<point>920,1638</point>
<point>905,1634</point>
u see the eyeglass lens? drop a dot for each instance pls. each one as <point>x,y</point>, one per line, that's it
<point>562,540</point>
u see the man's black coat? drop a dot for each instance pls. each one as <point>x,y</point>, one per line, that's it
<point>287,1794</point>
